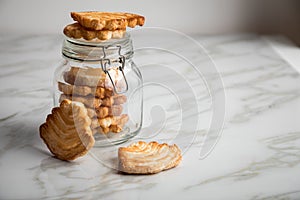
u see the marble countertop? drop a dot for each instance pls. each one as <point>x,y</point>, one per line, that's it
<point>256,157</point>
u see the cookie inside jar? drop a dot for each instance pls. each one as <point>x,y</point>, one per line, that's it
<point>98,70</point>
<point>94,88</point>
<point>104,94</point>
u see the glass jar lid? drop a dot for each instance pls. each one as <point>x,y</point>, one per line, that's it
<point>94,51</point>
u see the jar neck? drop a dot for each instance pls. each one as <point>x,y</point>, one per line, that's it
<point>85,51</point>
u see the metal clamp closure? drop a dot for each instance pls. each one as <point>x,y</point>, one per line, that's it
<point>105,63</point>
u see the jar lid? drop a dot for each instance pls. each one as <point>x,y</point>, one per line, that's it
<point>95,50</point>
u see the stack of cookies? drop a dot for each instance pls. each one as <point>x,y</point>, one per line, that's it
<point>92,87</point>
<point>101,25</point>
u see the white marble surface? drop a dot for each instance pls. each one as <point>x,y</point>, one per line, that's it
<point>257,157</point>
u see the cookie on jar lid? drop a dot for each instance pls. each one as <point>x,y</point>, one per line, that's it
<point>95,20</point>
<point>77,31</point>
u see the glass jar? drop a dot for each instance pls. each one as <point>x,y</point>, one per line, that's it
<point>102,75</point>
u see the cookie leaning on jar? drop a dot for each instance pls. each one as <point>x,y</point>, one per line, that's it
<point>67,131</point>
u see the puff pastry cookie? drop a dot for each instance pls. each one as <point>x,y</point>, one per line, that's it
<point>94,20</point>
<point>77,31</point>
<point>67,131</point>
<point>148,158</point>
<point>99,92</point>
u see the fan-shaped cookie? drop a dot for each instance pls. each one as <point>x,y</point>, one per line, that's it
<point>107,20</point>
<point>148,158</point>
<point>67,131</point>
<point>77,31</point>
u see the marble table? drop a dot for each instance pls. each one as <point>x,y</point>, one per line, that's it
<point>257,154</point>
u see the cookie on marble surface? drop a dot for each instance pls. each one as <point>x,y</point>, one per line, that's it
<point>148,158</point>
<point>67,131</point>
<point>77,31</point>
<point>107,20</point>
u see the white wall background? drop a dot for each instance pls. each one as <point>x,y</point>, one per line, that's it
<point>189,16</point>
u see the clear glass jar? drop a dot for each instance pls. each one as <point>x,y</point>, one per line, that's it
<point>102,75</point>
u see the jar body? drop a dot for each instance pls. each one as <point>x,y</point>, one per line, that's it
<point>110,89</point>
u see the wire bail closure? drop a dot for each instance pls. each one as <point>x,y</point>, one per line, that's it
<point>105,61</point>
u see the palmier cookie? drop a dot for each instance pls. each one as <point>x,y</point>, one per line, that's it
<point>148,158</point>
<point>67,131</point>
<point>94,20</point>
<point>76,31</point>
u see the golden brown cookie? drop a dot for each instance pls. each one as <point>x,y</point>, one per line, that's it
<point>95,102</point>
<point>67,131</point>
<point>85,77</point>
<point>103,111</point>
<point>120,120</point>
<point>112,128</point>
<point>148,158</point>
<point>108,121</point>
<point>109,124</point>
<point>88,101</point>
<point>114,100</point>
<point>100,130</point>
<point>107,20</point>
<point>91,113</point>
<point>116,128</point>
<point>92,77</point>
<point>100,92</point>
<point>77,31</point>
